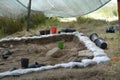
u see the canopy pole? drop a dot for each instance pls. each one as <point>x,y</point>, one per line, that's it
<point>28,16</point>
<point>118,1</point>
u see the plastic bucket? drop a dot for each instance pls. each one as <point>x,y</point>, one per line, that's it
<point>54,30</point>
<point>110,30</point>
<point>93,37</point>
<point>101,43</point>
<point>60,44</point>
<point>24,62</point>
<point>47,31</point>
<point>42,32</point>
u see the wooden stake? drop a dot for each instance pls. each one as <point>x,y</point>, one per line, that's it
<point>119,13</point>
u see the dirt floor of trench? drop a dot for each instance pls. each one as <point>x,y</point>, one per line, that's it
<point>39,52</point>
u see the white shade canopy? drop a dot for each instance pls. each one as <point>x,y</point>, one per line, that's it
<point>51,8</point>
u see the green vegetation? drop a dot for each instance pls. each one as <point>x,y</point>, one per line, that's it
<point>9,26</point>
<point>37,19</point>
<point>85,20</point>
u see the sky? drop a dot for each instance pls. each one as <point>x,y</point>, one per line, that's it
<point>114,1</point>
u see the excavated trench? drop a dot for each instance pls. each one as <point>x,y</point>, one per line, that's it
<point>39,50</point>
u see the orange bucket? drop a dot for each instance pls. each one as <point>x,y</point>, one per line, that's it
<point>54,30</point>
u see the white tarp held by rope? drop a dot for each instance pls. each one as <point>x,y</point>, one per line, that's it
<point>62,8</point>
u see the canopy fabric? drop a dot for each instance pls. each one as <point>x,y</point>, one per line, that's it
<point>51,8</point>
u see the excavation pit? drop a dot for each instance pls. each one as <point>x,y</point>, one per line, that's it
<point>41,51</point>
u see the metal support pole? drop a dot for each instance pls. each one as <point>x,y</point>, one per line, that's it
<point>28,16</point>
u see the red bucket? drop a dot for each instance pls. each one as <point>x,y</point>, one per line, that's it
<point>54,29</point>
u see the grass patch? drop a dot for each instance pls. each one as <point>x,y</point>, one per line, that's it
<point>9,26</point>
